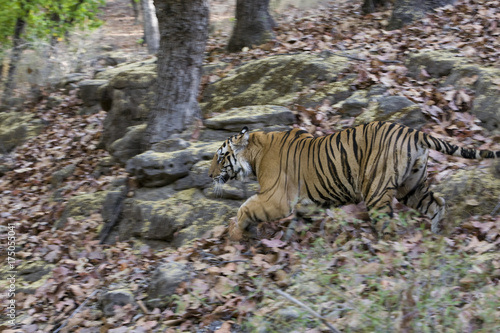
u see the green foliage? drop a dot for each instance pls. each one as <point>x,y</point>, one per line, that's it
<point>46,19</point>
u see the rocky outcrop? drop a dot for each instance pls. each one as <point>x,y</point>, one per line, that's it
<point>176,203</point>
<point>277,80</point>
<point>127,97</point>
<point>459,72</point>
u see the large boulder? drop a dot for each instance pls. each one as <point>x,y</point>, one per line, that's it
<point>127,98</point>
<point>395,109</point>
<point>153,168</point>
<point>163,216</point>
<point>276,80</point>
<point>16,128</point>
<point>469,192</point>
<point>258,116</point>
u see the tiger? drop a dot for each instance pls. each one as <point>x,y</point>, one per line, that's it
<point>374,163</point>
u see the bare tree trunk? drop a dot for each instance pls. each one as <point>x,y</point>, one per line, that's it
<point>407,11</point>
<point>371,6</point>
<point>183,31</point>
<point>15,55</point>
<point>253,25</point>
<point>151,32</point>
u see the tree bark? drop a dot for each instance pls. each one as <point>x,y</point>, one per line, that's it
<point>183,36</point>
<point>15,55</point>
<point>407,11</point>
<point>253,25</point>
<point>151,32</point>
<point>371,6</point>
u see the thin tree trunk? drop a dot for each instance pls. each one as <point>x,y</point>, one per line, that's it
<point>253,25</point>
<point>151,32</point>
<point>135,9</point>
<point>10,83</point>
<point>183,36</point>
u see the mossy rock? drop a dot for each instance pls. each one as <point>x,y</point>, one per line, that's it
<point>468,193</point>
<point>436,63</point>
<point>30,275</point>
<point>81,207</point>
<point>273,80</point>
<point>176,220</point>
<point>394,109</point>
<point>16,128</point>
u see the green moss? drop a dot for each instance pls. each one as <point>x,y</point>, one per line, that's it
<point>16,128</point>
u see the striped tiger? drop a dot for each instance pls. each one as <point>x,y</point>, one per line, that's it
<point>374,163</point>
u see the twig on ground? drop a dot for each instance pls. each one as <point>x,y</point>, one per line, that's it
<point>76,311</point>
<point>307,308</point>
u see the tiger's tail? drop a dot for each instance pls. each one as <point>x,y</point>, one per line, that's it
<point>431,142</point>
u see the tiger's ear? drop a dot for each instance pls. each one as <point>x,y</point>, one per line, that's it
<point>242,140</point>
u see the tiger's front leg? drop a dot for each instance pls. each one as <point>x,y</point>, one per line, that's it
<point>258,208</point>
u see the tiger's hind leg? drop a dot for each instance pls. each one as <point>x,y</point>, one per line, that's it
<point>258,208</point>
<point>380,211</point>
<point>415,193</point>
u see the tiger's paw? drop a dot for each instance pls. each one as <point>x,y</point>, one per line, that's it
<point>235,232</point>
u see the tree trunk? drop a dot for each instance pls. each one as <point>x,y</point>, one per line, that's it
<point>15,55</point>
<point>135,9</point>
<point>183,36</point>
<point>151,32</point>
<point>371,6</point>
<point>253,25</point>
<point>407,11</point>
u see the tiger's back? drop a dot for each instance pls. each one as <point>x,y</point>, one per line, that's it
<point>373,163</point>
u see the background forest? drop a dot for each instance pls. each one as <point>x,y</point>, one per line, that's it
<point>64,183</point>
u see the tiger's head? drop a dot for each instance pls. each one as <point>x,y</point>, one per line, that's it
<point>229,161</point>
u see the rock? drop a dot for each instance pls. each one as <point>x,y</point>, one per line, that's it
<point>89,94</point>
<point>272,80</point>
<point>120,297</point>
<point>16,128</point>
<point>483,81</point>
<point>170,145</point>
<point>112,58</point>
<point>129,145</point>
<point>197,178</point>
<point>127,97</point>
<point>81,206</point>
<point>355,104</point>
<point>159,169</point>
<point>30,275</point>
<point>164,217</point>
<point>435,63</point>
<point>395,109</point>
<point>469,192</point>
<point>70,81</point>
<point>166,278</point>
<point>59,176</point>
<point>251,116</point>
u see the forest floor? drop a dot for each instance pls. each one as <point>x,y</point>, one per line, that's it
<point>331,272</point>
